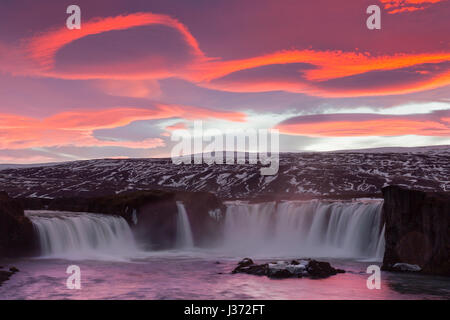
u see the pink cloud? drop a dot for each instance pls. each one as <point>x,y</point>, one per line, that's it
<point>176,126</point>
<point>208,72</point>
<point>325,65</point>
<point>348,125</point>
<point>43,47</point>
<point>76,128</point>
<point>129,88</point>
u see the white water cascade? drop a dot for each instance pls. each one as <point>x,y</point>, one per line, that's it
<point>326,229</point>
<point>75,235</point>
<point>184,233</point>
<point>340,229</point>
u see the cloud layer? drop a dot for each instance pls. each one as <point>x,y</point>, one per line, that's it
<point>356,125</point>
<point>137,66</point>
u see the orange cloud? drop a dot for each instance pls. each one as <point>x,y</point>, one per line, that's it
<point>399,6</point>
<point>327,126</point>
<point>176,126</point>
<point>76,128</point>
<point>330,64</point>
<point>42,48</point>
<point>327,65</point>
<point>207,72</point>
<point>68,128</point>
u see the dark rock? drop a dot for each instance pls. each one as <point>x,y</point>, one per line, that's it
<point>258,270</point>
<point>319,269</point>
<point>403,267</point>
<point>13,269</point>
<point>157,218</point>
<point>6,275</point>
<point>417,230</point>
<point>280,274</point>
<point>247,265</point>
<point>157,222</point>
<point>281,270</point>
<point>206,229</point>
<point>16,230</point>
<point>245,262</point>
<point>255,269</point>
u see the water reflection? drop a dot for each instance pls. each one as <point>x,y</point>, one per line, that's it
<point>201,277</point>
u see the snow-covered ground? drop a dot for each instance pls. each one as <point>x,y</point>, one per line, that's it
<point>312,174</point>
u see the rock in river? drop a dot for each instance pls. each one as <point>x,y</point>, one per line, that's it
<point>284,269</point>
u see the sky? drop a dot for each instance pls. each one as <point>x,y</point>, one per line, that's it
<point>139,69</point>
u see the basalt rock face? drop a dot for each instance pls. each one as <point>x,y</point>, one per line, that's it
<point>417,229</point>
<point>16,230</point>
<point>152,214</point>
<point>205,213</point>
<point>156,216</point>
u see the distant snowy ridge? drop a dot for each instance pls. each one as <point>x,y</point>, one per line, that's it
<point>425,149</point>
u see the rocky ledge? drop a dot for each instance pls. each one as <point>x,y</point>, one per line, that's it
<point>403,267</point>
<point>300,268</point>
<point>417,231</point>
<point>5,275</point>
<point>16,230</point>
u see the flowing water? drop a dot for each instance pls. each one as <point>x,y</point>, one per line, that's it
<point>184,232</point>
<point>305,228</point>
<point>347,234</point>
<point>82,235</point>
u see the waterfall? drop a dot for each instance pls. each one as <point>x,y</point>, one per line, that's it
<point>82,235</point>
<point>327,229</point>
<point>134,217</point>
<point>184,232</point>
<point>305,228</point>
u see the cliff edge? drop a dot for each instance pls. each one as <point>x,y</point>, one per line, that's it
<point>417,229</point>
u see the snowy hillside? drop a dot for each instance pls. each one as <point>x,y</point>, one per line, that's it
<point>308,174</point>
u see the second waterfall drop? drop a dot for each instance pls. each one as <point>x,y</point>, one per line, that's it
<point>184,232</point>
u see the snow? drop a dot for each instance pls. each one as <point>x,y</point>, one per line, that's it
<point>302,173</point>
